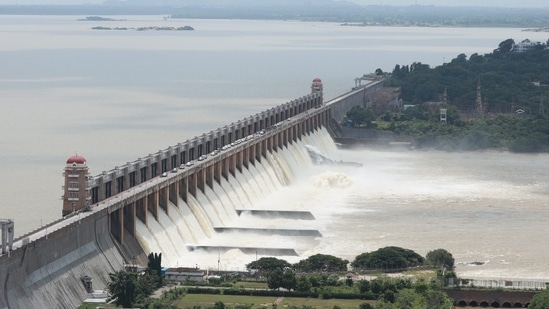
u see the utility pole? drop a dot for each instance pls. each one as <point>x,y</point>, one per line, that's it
<point>541,108</point>
<point>479,109</point>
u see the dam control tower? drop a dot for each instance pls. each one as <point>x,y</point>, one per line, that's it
<point>316,86</point>
<point>76,193</point>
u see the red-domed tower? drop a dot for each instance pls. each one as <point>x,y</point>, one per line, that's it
<point>76,194</point>
<point>316,85</point>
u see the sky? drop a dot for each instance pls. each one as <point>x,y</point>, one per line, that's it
<point>498,3</point>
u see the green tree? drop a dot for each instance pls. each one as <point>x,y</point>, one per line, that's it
<point>540,300</point>
<point>440,258</point>
<point>506,46</point>
<point>321,263</point>
<point>361,116</point>
<point>438,299</point>
<point>303,284</point>
<point>219,305</point>
<point>409,299</point>
<point>388,258</point>
<point>381,304</point>
<point>122,287</point>
<point>389,296</point>
<point>376,286</point>
<point>154,267</point>
<point>289,281</point>
<point>415,299</point>
<point>275,279</point>
<point>421,287</point>
<point>365,306</point>
<point>363,286</point>
<point>268,264</point>
<point>349,281</point>
<point>144,287</point>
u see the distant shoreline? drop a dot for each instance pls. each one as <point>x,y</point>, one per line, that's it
<point>300,10</point>
<point>544,29</point>
<point>155,28</point>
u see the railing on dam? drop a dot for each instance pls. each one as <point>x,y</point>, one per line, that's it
<point>182,170</point>
<point>125,177</point>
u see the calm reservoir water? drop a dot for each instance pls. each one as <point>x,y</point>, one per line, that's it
<point>114,96</point>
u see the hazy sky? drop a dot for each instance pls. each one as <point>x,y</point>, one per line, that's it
<point>500,3</point>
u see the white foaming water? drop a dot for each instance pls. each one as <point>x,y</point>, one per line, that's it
<point>188,221</point>
<point>333,180</point>
<point>212,209</point>
<point>234,193</point>
<point>225,202</point>
<point>199,212</point>
<point>187,231</point>
<point>217,208</point>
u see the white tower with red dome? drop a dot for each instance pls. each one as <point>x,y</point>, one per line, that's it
<point>316,86</point>
<point>76,193</point>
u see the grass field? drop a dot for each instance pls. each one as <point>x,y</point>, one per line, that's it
<point>256,302</point>
<point>250,285</point>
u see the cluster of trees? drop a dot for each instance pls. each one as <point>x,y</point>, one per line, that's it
<point>388,258</point>
<point>513,87</point>
<point>540,301</point>
<point>132,289</point>
<point>281,274</point>
<point>319,272</point>
<point>361,117</point>
<point>517,133</point>
<point>317,276</point>
<point>509,80</point>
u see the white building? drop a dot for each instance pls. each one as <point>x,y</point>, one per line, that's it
<point>182,274</point>
<point>525,46</point>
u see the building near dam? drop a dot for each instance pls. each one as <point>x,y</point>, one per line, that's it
<point>76,195</point>
<point>181,194</point>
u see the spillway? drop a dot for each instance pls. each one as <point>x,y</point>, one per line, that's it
<point>228,221</point>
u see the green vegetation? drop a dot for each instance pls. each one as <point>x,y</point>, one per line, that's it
<point>509,80</point>
<point>440,258</point>
<point>129,289</point>
<point>320,281</point>
<point>388,258</point>
<point>232,301</point>
<point>359,116</point>
<point>268,264</point>
<point>540,301</point>
<point>513,87</point>
<point>322,263</point>
<point>383,292</point>
<point>154,267</point>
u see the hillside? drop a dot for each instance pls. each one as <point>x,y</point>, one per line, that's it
<point>512,86</point>
<point>509,80</point>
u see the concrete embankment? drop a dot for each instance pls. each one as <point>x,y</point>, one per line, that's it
<point>47,273</point>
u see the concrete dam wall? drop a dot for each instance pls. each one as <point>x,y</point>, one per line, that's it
<point>47,273</point>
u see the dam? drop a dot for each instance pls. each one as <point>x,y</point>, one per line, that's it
<point>174,201</point>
